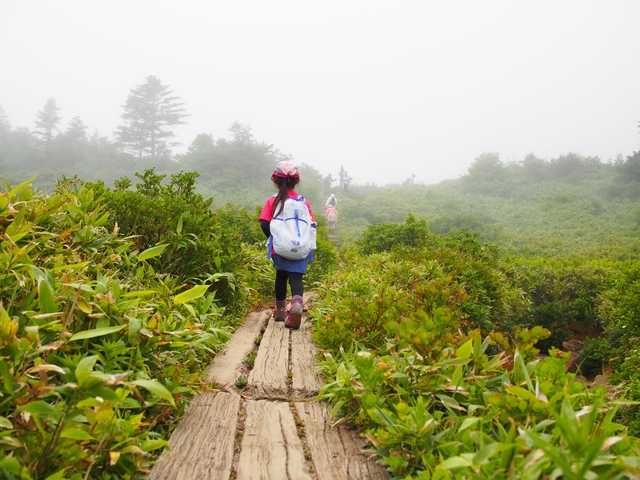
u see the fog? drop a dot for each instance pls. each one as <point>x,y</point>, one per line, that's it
<point>385,89</point>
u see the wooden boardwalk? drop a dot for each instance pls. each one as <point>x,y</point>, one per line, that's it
<point>273,428</point>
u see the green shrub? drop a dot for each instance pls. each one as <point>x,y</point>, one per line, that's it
<point>563,293</point>
<point>385,237</point>
<point>363,299</point>
<point>99,353</point>
<point>594,356</point>
<point>487,296</point>
<point>200,243</point>
<point>435,405</point>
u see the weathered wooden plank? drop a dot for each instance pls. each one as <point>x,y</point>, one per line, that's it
<point>336,452</point>
<point>202,443</point>
<point>306,382</point>
<point>268,379</point>
<point>226,366</point>
<point>271,448</point>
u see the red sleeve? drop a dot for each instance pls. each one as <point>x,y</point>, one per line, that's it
<point>267,210</point>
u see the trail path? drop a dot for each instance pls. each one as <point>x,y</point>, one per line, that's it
<point>273,428</point>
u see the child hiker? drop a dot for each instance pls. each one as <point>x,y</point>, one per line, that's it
<point>285,177</point>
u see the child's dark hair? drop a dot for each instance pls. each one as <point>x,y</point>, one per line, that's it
<point>284,184</point>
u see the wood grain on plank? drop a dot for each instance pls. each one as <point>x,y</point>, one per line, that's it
<point>268,379</point>
<point>336,451</point>
<point>271,448</point>
<point>306,382</point>
<point>226,366</point>
<point>202,443</point>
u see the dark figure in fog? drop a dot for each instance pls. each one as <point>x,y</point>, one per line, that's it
<point>327,182</point>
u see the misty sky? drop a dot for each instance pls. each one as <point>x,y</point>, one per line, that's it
<point>385,89</point>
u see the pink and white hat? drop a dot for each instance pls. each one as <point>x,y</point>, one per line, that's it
<point>286,169</point>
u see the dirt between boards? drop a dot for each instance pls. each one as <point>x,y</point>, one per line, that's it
<point>272,428</point>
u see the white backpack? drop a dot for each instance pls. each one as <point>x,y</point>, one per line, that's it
<point>293,233</point>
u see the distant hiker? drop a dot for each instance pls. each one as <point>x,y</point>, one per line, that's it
<point>332,218</point>
<point>331,201</point>
<point>327,182</point>
<point>345,183</point>
<point>274,220</point>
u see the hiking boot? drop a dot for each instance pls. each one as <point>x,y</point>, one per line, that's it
<point>279,315</point>
<point>294,318</point>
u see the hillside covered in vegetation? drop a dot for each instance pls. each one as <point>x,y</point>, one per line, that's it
<point>443,313</point>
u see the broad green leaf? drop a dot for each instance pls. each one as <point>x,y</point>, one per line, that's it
<point>520,392</point>
<point>4,201</point>
<point>21,186</point>
<point>96,332</point>
<point>190,295</point>
<point>90,402</point>
<point>75,433</point>
<point>6,423</point>
<point>59,475</point>
<point>487,452</point>
<point>103,322</point>
<point>465,350</point>
<point>5,373</point>
<point>457,377</point>
<point>81,286</point>
<point>45,297</point>
<point>151,252</point>
<point>450,402</point>
<point>153,444</point>
<point>40,408</point>
<point>105,393</point>
<point>73,209</point>
<point>130,403</point>
<point>456,361</point>
<point>217,276</point>
<point>454,462</point>
<point>132,449</point>
<point>85,367</point>
<point>134,327</point>
<point>339,404</point>
<point>84,306</point>
<point>156,388</point>
<point>342,376</point>
<point>468,422</point>
<point>520,372</point>
<point>11,465</point>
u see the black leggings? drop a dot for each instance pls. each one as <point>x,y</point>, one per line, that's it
<point>294,279</point>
